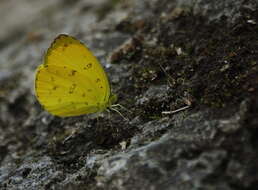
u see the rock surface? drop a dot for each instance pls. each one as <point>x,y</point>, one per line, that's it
<point>160,56</point>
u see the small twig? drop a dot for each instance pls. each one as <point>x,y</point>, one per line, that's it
<point>175,111</point>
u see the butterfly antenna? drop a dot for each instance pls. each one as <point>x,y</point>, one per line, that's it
<point>119,105</point>
<point>111,108</point>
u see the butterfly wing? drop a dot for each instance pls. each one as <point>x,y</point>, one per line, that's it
<point>71,81</point>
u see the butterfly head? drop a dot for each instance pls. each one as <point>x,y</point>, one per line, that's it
<point>112,99</point>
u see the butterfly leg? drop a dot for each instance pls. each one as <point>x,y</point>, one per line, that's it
<point>113,109</point>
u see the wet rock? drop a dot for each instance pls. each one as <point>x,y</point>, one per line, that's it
<point>160,56</point>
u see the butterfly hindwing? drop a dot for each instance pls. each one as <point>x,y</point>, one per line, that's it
<point>71,81</point>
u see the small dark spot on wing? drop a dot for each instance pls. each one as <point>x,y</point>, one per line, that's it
<point>55,87</point>
<point>72,88</point>
<point>73,72</point>
<point>89,65</point>
<point>97,80</point>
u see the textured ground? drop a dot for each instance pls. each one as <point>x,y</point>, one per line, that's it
<point>160,55</point>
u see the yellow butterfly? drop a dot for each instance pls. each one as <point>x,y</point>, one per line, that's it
<point>71,81</point>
